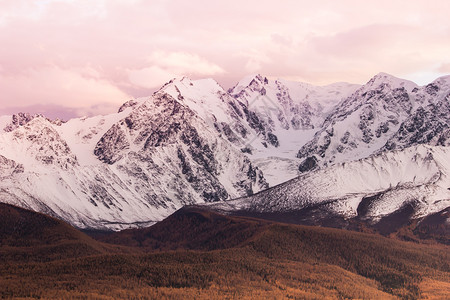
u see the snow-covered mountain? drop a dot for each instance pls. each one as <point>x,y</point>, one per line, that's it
<point>368,189</point>
<point>262,117</point>
<point>193,142</point>
<point>288,114</point>
<point>385,114</point>
<point>126,169</point>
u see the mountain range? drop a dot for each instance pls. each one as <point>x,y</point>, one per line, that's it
<point>344,151</point>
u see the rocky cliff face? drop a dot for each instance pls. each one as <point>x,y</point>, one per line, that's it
<point>278,106</point>
<point>203,161</point>
<point>429,123</point>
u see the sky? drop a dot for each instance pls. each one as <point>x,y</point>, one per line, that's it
<point>69,58</point>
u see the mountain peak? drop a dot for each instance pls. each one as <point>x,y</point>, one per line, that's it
<point>395,82</point>
<point>382,76</point>
<point>181,86</point>
<point>248,81</point>
<point>443,80</point>
<point>20,119</point>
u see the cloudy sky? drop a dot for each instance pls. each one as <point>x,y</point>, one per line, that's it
<point>83,57</point>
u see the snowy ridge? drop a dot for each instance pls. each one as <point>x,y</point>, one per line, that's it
<point>418,175</point>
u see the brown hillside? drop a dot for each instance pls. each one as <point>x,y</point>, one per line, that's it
<point>220,257</point>
<point>29,236</point>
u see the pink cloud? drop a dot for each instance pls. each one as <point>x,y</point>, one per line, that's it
<point>444,68</point>
<point>78,88</point>
<point>62,52</point>
<point>167,65</point>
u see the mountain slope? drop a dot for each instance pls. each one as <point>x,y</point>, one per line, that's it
<point>27,236</point>
<point>370,189</point>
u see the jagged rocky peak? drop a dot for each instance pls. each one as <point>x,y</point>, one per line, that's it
<point>201,85</point>
<point>258,81</point>
<point>211,82</point>
<point>200,88</point>
<point>272,107</point>
<point>206,97</point>
<point>438,86</point>
<point>254,82</point>
<point>129,103</point>
<point>57,121</point>
<point>21,119</point>
<point>382,79</point>
<point>44,143</point>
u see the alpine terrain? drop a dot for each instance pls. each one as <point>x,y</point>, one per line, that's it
<point>344,151</point>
